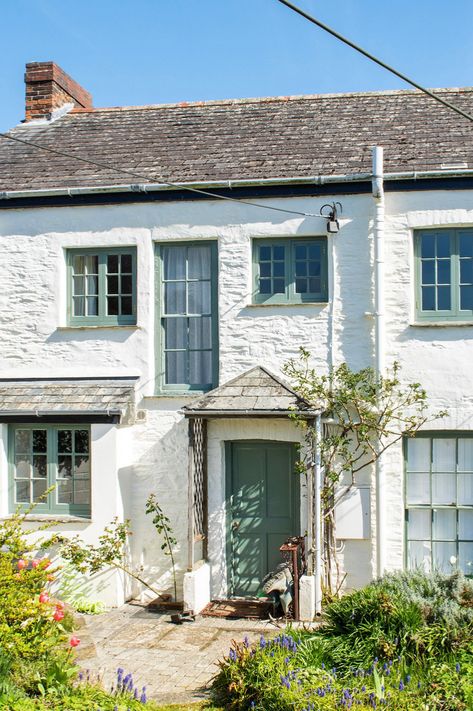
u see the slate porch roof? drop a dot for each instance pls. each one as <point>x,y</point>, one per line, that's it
<point>256,393</point>
<point>277,137</point>
<point>36,398</point>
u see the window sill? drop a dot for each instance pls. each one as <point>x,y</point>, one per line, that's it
<point>51,518</point>
<point>287,303</point>
<point>131,327</point>
<point>441,324</point>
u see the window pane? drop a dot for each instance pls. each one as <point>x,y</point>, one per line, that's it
<point>39,465</point>
<point>465,555</point>
<point>427,246</point>
<point>81,467</point>
<point>81,439</point>
<point>199,297</point>
<point>64,492</point>
<point>466,271</point>
<point>301,286</point>
<point>466,244</point>
<point>64,466</point>
<point>64,441</point>
<point>418,454</point>
<point>78,264</point>
<point>126,305</point>
<point>175,334</point>
<point>443,245</point>
<point>465,489</point>
<point>200,332</point>
<point>278,286</point>
<point>175,298</point>
<point>418,488</point>
<point>79,306</point>
<point>39,487</point>
<point>314,268</point>
<point>112,305</point>
<point>174,262</point>
<point>443,455</point>
<point>465,525</point>
<point>466,298</point>
<point>265,269</point>
<point>92,306</point>
<point>419,555</point>
<point>444,488</point>
<point>23,441</point>
<point>112,285</point>
<point>79,285</point>
<point>176,368</point>
<point>91,262</point>
<point>265,286</point>
<point>22,492</point>
<point>265,253</point>
<point>200,367</point>
<point>444,525</point>
<point>82,492</point>
<point>39,441</point>
<point>443,272</point>
<point>112,263</point>
<point>278,269</point>
<point>22,466</point>
<point>92,285</point>
<point>428,298</point>
<point>199,262</point>
<point>301,268</point>
<point>301,251</point>
<point>315,286</point>
<point>465,454</point>
<point>444,556</point>
<point>443,298</point>
<point>419,524</point>
<point>127,284</point>
<point>428,271</point>
<point>126,261</point>
<point>279,253</point>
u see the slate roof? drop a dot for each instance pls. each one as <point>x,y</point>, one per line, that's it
<point>98,396</point>
<point>256,393</point>
<point>300,136</point>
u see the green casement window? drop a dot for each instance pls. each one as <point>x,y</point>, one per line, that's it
<point>439,501</point>
<point>188,320</point>
<point>290,270</point>
<point>444,274</point>
<point>102,286</point>
<point>46,456</point>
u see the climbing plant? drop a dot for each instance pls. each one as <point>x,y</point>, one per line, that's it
<point>369,413</point>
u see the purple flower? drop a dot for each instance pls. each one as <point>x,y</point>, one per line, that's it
<point>457,667</point>
<point>401,686</point>
<point>262,642</point>
<point>246,642</point>
<point>232,655</point>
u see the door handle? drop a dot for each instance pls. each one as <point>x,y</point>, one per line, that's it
<point>235,525</point>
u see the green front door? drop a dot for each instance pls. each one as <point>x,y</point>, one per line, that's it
<point>262,510</point>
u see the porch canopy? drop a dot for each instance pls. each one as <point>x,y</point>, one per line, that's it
<point>256,393</point>
<point>79,400</point>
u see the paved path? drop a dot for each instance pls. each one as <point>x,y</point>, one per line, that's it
<point>175,662</point>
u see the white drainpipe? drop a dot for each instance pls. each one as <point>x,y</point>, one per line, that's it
<point>378,195</point>
<point>318,516</point>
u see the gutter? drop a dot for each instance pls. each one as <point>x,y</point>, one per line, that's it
<point>230,184</point>
<point>107,415</point>
<point>309,414</point>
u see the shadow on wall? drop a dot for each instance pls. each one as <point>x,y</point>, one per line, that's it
<point>160,469</point>
<point>75,335</point>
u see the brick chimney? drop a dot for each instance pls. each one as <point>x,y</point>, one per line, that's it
<point>49,88</point>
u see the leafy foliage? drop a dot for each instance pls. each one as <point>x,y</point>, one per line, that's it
<point>403,642</point>
<point>370,413</point>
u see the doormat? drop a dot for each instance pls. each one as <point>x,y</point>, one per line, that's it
<point>237,609</point>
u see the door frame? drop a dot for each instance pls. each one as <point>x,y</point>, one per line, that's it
<point>228,504</point>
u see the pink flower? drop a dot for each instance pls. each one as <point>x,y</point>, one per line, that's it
<point>35,563</point>
<point>44,597</point>
<point>22,564</point>
<point>58,615</point>
<point>59,605</point>
<point>74,641</point>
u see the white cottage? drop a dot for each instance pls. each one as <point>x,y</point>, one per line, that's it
<point>159,266</point>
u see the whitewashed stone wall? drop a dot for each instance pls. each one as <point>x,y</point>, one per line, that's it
<point>151,456</point>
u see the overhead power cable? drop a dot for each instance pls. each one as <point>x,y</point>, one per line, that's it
<point>359,49</point>
<point>147,178</point>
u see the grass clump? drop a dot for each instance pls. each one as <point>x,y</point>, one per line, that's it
<point>403,642</point>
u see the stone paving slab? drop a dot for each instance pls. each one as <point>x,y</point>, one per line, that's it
<point>175,662</point>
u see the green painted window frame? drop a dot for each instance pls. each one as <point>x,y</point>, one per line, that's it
<point>433,508</point>
<point>50,504</point>
<point>290,296</point>
<point>455,313</point>
<point>161,387</point>
<point>101,319</point>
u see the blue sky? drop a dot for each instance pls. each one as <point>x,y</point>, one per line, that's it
<point>152,51</point>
